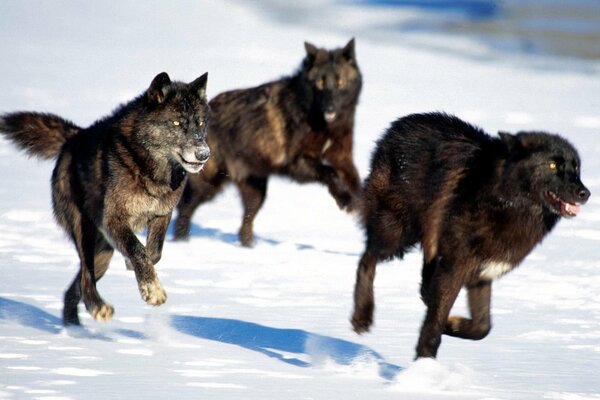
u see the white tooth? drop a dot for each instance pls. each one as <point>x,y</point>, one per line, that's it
<point>568,208</point>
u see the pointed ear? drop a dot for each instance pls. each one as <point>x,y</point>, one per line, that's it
<point>159,88</point>
<point>311,49</point>
<point>510,140</point>
<point>349,51</point>
<point>199,85</point>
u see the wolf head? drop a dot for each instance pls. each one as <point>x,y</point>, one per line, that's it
<point>547,167</point>
<point>334,78</point>
<point>178,123</point>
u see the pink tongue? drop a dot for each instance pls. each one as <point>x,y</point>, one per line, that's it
<point>572,209</point>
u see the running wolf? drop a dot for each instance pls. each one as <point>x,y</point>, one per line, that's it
<point>300,126</point>
<point>124,173</point>
<point>477,205</point>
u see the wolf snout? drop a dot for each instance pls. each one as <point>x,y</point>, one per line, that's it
<point>202,155</point>
<point>583,195</point>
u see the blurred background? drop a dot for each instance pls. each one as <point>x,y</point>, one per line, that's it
<point>563,28</point>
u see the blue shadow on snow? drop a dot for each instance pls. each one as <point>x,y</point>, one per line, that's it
<point>271,341</point>
<point>28,315</point>
<point>232,238</point>
<point>34,317</point>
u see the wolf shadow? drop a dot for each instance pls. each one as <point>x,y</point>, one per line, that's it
<point>272,342</point>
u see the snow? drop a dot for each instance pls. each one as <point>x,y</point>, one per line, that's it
<point>272,322</point>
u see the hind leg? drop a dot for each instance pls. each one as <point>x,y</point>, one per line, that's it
<point>85,236</point>
<point>198,189</point>
<point>385,238</point>
<point>95,305</point>
<point>253,191</point>
<point>479,325</point>
<point>364,302</point>
<point>102,257</point>
<point>71,300</point>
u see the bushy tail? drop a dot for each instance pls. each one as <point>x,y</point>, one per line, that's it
<point>39,134</point>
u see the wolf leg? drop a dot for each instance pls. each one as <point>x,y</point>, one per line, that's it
<point>443,289</point>
<point>198,190</point>
<point>313,170</point>
<point>85,240</point>
<point>364,302</point>
<point>427,273</point>
<point>103,255</point>
<point>157,230</point>
<point>71,300</point>
<point>128,244</point>
<point>339,156</point>
<point>253,191</point>
<point>479,325</point>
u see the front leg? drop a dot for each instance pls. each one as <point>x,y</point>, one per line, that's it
<point>157,230</point>
<point>308,169</point>
<point>479,325</point>
<point>339,156</point>
<point>444,287</point>
<point>128,244</point>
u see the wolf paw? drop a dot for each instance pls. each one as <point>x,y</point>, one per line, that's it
<point>103,313</point>
<point>361,325</point>
<point>246,237</point>
<point>153,293</point>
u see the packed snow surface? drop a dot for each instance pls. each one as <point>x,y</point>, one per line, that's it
<point>271,322</point>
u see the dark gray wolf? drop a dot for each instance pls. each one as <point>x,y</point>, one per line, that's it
<point>122,174</point>
<point>476,204</point>
<point>300,126</point>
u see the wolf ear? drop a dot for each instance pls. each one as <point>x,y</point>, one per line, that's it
<point>349,51</point>
<point>199,85</point>
<point>311,53</point>
<point>311,49</point>
<point>511,141</point>
<point>159,87</point>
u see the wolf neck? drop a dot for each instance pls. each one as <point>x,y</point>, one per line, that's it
<point>152,164</point>
<point>508,200</point>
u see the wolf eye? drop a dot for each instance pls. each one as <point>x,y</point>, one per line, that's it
<point>320,84</point>
<point>341,83</point>
<point>552,165</point>
<point>176,123</point>
<point>201,123</point>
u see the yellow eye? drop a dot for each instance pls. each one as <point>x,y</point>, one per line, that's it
<point>320,84</point>
<point>552,165</point>
<point>176,123</point>
<point>341,83</point>
<point>201,123</point>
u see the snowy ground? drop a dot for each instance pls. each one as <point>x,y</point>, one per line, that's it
<point>272,322</point>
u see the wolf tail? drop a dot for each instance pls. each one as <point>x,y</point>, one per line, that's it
<point>39,134</point>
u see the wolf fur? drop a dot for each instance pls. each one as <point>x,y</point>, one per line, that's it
<point>300,126</point>
<point>124,173</point>
<point>477,205</point>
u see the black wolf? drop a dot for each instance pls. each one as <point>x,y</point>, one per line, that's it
<point>123,173</point>
<point>300,126</point>
<point>476,204</point>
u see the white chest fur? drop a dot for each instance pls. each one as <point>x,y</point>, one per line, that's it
<point>491,270</point>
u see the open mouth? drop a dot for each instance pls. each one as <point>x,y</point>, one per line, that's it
<point>329,116</point>
<point>564,208</point>
<point>192,166</point>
